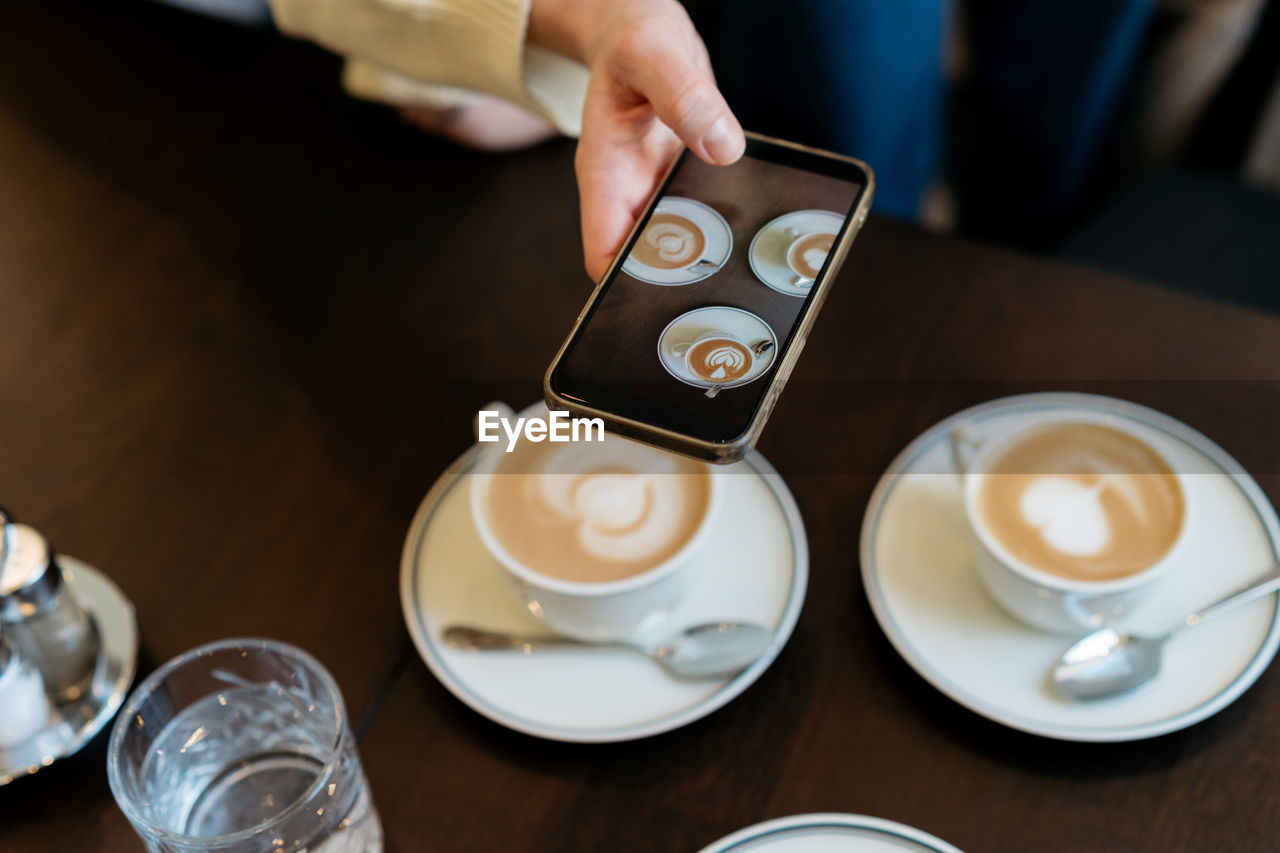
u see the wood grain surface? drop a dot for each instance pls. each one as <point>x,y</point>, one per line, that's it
<point>244,324</point>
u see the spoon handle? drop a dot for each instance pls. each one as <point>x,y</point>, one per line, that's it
<point>1263,586</point>
<point>475,639</point>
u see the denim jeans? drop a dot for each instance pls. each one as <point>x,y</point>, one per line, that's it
<point>866,77</point>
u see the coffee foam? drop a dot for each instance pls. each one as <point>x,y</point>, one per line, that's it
<point>720,360</point>
<point>595,512</point>
<point>814,258</point>
<point>669,241</point>
<point>1082,501</point>
<point>810,253</point>
<point>1068,515</point>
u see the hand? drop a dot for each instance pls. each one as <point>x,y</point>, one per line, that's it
<point>485,123</point>
<point>651,89</point>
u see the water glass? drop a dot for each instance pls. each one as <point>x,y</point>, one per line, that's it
<point>241,746</point>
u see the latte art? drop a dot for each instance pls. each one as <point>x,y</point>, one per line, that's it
<point>669,241</point>
<point>595,512</point>
<point>1082,501</point>
<point>719,360</point>
<point>808,254</point>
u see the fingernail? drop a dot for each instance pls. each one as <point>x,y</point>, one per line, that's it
<point>723,142</point>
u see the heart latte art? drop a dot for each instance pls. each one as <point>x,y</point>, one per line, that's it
<point>669,242</point>
<point>1082,501</point>
<point>807,255</point>
<point>595,512</point>
<point>719,360</point>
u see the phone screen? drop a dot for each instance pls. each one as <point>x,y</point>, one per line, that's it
<point>690,328</point>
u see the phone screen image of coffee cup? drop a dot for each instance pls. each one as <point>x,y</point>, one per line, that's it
<point>670,242</point>
<point>717,348</point>
<point>688,330</point>
<point>684,242</point>
<point>808,253</point>
<point>789,252</point>
<point>719,360</point>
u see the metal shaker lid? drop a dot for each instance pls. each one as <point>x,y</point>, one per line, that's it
<point>29,578</point>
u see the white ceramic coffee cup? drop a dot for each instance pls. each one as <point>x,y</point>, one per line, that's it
<point>796,237</point>
<point>1043,600</point>
<point>684,350</point>
<point>608,610</point>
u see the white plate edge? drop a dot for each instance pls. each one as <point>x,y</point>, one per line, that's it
<point>819,819</point>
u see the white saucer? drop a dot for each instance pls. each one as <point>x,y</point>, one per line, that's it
<point>755,567</point>
<point>738,323</point>
<point>718,248</point>
<point>918,573</point>
<point>768,251</point>
<point>830,833</point>
<point>72,725</point>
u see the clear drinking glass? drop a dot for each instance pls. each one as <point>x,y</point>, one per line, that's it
<point>241,746</point>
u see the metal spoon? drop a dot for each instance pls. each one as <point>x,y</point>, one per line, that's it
<point>1108,661</point>
<point>715,650</point>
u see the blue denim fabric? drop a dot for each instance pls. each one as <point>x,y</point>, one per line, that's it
<point>865,77</point>
<point>1047,77</point>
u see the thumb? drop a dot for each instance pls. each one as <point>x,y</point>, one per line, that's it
<point>685,97</point>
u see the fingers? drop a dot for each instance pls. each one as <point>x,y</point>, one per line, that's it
<point>605,198</point>
<point>691,105</point>
<point>620,158</point>
<point>665,63</point>
<point>651,89</point>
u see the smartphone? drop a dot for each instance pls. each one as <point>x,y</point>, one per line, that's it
<point>689,338</point>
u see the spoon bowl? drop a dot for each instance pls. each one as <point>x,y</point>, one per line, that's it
<point>1108,662</point>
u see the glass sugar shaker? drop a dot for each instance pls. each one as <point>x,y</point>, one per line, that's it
<point>24,708</point>
<point>41,614</point>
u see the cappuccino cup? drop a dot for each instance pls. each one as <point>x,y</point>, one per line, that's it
<point>670,242</point>
<point>806,253</point>
<point>596,537</point>
<point>717,359</point>
<point>1075,518</point>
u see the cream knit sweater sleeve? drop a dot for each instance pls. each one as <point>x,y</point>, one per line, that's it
<point>439,51</point>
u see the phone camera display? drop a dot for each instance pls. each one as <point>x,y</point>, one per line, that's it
<point>687,333</point>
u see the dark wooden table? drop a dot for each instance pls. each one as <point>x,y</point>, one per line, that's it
<point>244,322</point>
